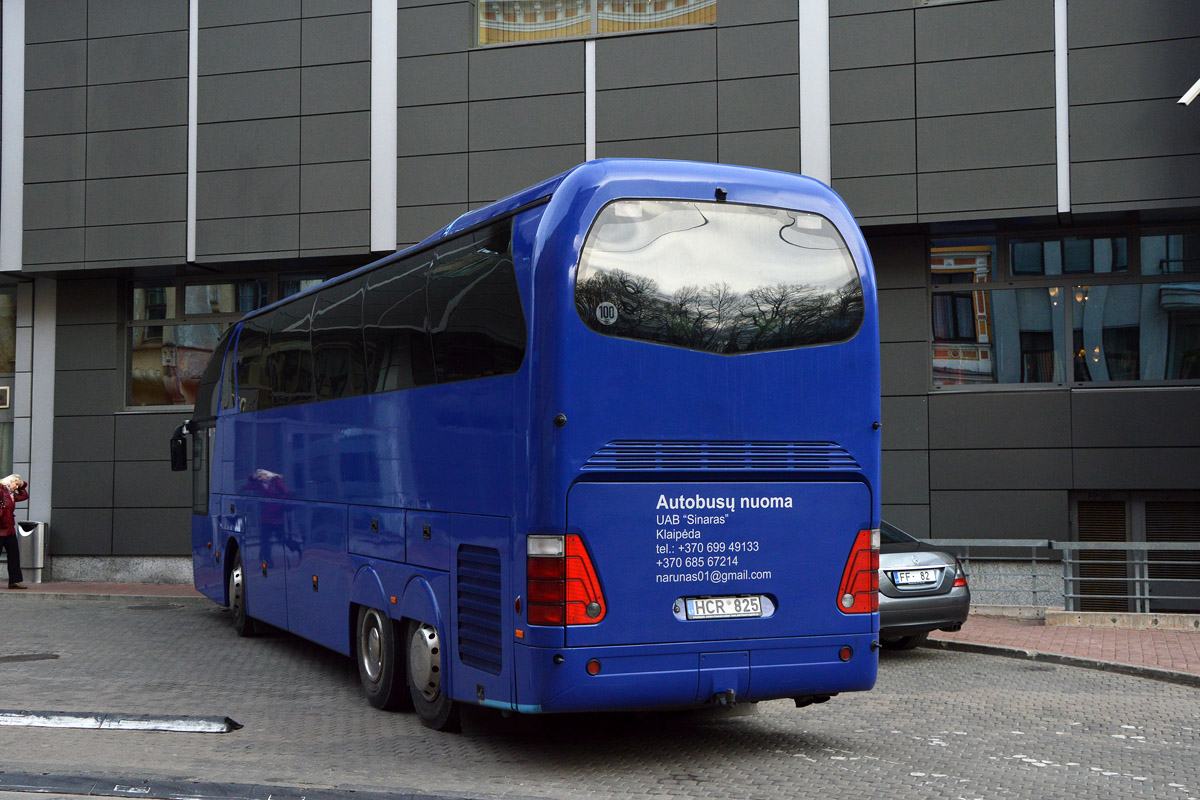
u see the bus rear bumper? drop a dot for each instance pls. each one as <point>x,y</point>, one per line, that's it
<point>553,680</point>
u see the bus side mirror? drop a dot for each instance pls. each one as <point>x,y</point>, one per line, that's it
<point>179,460</point>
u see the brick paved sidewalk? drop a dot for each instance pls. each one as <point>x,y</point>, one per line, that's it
<point>1177,651</point>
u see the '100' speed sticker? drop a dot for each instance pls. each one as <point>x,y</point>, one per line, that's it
<point>606,313</point>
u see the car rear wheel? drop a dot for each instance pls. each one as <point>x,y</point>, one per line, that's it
<point>903,642</point>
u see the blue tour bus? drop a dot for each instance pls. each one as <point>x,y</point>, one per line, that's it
<point>609,443</point>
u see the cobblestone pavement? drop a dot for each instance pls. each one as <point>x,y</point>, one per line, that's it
<point>938,725</point>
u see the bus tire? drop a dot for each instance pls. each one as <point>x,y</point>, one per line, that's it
<point>243,624</point>
<point>379,669</point>
<point>423,670</point>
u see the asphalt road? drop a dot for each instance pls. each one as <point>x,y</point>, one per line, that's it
<point>938,725</point>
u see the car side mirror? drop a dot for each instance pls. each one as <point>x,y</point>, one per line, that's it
<point>179,459</point>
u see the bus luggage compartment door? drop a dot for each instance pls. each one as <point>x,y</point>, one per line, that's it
<point>694,562</point>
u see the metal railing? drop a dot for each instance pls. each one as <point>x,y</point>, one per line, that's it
<point>1138,577</point>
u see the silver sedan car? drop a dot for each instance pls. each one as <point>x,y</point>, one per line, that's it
<point>920,590</point>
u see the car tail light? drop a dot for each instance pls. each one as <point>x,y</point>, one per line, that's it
<point>561,583</point>
<point>960,577</point>
<point>859,590</point>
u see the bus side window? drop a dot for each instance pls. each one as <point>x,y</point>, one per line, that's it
<point>399,354</point>
<point>252,391</point>
<point>287,358</point>
<point>476,318</point>
<point>339,368</point>
<point>228,390</point>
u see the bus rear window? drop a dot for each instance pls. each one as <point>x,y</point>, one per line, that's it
<point>717,277</point>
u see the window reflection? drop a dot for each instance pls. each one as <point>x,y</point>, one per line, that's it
<point>501,21</point>
<point>1068,255</point>
<point>1169,254</point>
<point>227,297</point>
<point>166,362</point>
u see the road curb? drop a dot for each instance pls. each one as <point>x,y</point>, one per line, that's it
<point>1135,670</point>
<point>164,598</point>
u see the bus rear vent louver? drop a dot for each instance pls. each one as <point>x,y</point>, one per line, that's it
<point>479,608</point>
<point>627,455</point>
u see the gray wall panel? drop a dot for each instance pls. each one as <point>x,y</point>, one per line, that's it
<point>89,301</point>
<point>903,315</point>
<point>321,8</point>
<point>1102,22</point>
<point>80,532</point>
<point>82,484</point>
<point>904,368</point>
<point>1135,418</point>
<point>115,201</point>
<point>335,187</point>
<point>758,50</point>
<point>654,60</point>
<point>414,223</point>
<point>758,104</point>
<point>335,89</point>
<point>1126,182</point>
<point>526,122</point>
<point>149,104</point>
<point>1148,468</point>
<point>1132,72</point>
<point>999,515</point>
<point>55,111</point>
<point>873,148</point>
<point>335,229</point>
<point>56,246</point>
<point>987,190</point>
<point>499,173</point>
<point>55,20</point>
<point>975,86</point>
<point>868,95</point>
<point>335,137</point>
<point>555,68</point>
<point>905,477</point>
<point>162,241</point>
<point>255,95</point>
<point>1011,26</point>
<point>85,346</point>
<point>152,531</point>
<point>901,262</point>
<point>871,40</point>
<point>776,149</point>
<point>245,48</point>
<point>758,11</point>
<point>136,482</point>
<point>55,158</point>
<point>138,152</point>
<point>56,65</point>
<point>255,143</point>
<point>914,520</point>
<point>54,205</point>
<point>656,112</point>
<point>248,235</point>
<point>886,196</point>
<point>126,17</point>
<point>435,29</point>
<point>240,12</point>
<point>841,8</point>
<point>433,180</point>
<point>335,40</point>
<point>138,58</point>
<point>432,79</point>
<point>84,439</point>
<point>427,130</point>
<point>1000,469</point>
<point>248,192</point>
<point>1132,130</point>
<point>978,141</point>
<point>905,423</point>
<point>999,420</point>
<point>689,148</point>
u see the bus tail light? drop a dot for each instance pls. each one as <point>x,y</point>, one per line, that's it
<point>859,590</point>
<point>561,583</point>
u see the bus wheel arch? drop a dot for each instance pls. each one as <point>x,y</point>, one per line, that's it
<point>376,644</point>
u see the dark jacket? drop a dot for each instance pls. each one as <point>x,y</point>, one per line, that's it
<point>8,501</point>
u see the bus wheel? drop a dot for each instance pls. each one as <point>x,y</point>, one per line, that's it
<point>424,670</point>
<point>242,623</point>
<point>381,675</point>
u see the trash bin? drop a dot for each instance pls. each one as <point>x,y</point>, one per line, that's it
<point>31,541</point>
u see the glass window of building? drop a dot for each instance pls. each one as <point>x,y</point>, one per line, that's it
<point>508,21</point>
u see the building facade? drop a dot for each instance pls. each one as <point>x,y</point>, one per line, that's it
<point>167,165</point>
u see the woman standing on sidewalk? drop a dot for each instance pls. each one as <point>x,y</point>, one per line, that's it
<point>13,490</point>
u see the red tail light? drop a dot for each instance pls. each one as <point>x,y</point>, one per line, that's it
<point>561,582</point>
<point>859,590</point>
<point>960,577</point>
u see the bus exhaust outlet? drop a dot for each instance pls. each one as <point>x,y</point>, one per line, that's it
<point>725,699</point>
<point>801,702</point>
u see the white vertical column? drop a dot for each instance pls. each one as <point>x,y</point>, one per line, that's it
<point>1062,108</point>
<point>12,137</point>
<point>193,119</point>
<point>41,433</point>
<point>589,99</point>
<point>814,89</point>
<point>384,98</point>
